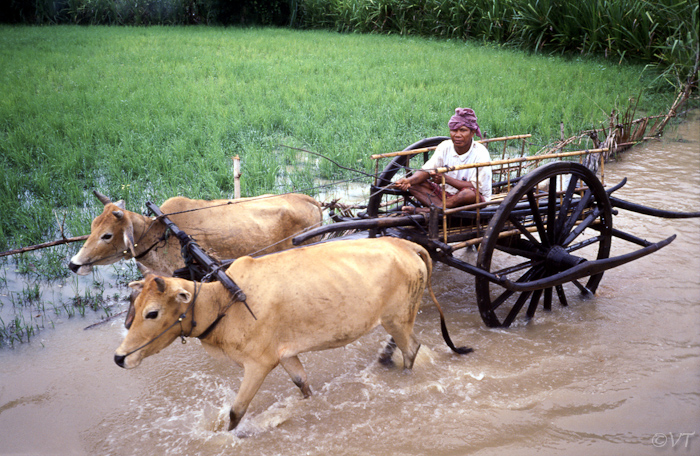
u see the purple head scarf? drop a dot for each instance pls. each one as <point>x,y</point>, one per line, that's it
<point>464,117</point>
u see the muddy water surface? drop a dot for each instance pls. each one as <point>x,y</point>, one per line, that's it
<point>618,374</point>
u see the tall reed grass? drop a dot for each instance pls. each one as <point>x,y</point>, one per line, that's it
<point>149,113</point>
<point>663,33</point>
<point>149,12</point>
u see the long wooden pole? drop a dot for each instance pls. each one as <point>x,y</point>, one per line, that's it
<point>428,149</point>
<point>444,208</point>
<point>521,159</point>
<point>43,246</point>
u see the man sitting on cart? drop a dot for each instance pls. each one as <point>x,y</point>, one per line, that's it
<point>460,185</point>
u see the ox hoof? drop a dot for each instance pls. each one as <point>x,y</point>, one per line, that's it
<point>386,360</point>
<point>234,420</point>
<point>306,391</point>
<point>385,357</point>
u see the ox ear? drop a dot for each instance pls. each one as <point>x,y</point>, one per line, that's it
<point>183,296</point>
<point>121,205</point>
<point>137,285</point>
<point>103,199</point>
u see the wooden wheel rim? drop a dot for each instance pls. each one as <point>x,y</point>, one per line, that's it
<point>598,199</point>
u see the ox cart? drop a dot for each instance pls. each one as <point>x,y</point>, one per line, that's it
<point>546,232</point>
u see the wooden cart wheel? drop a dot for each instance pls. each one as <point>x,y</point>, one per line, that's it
<point>397,163</point>
<point>543,227</point>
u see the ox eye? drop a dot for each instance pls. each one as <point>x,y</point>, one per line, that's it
<point>106,236</point>
<point>152,315</point>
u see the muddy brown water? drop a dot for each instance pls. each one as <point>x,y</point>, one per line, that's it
<point>618,374</point>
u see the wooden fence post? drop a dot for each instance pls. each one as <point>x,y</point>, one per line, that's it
<point>236,177</point>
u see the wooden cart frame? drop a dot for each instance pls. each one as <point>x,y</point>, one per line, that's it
<point>552,216</point>
<point>546,211</point>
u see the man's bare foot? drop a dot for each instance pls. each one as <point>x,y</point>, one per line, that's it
<point>414,210</point>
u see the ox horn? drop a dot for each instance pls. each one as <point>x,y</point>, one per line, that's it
<point>161,284</point>
<point>103,199</point>
<point>145,270</point>
<point>131,313</point>
<point>128,236</point>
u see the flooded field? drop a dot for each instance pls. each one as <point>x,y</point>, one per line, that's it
<point>618,374</point>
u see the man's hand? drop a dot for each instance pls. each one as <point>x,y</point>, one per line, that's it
<point>402,184</point>
<point>436,177</point>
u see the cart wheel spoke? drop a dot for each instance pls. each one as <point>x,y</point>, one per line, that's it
<point>576,213</point>
<point>534,207</point>
<point>548,299</point>
<point>584,290</point>
<point>544,235</point>
<point>566,205</point>
<point>518,267</point>
<point>534,301</point>
<point>524,231</point>
<point>586,223</point>
<point>551,210</point>
<point>516,309</point>
<point>530,254</point>
<point>503,297</point>
<point>568,196</point>
<point>534,274</point>
<point>562,296</point>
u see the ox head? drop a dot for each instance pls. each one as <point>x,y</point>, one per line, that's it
<point>111,237</point>
<point>154,321</point>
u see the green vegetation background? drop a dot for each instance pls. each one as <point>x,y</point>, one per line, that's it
<point>145,113</point>
<point>663,33</point>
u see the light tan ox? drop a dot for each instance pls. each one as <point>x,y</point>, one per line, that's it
<point>227,229</point>
<point>307,299</point>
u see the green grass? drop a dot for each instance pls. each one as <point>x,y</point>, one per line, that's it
<point>149,113</point>
<point>662,33</point>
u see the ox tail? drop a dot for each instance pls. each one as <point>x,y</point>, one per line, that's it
<point>443,326</point>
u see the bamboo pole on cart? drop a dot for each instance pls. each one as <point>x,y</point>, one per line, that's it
<point>537,158</point>
<point>477,200</point>
<point>428,149</point>
<point>444,207</point>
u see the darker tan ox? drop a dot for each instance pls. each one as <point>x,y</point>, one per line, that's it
<point>225,229</point>
<point>307,299</point>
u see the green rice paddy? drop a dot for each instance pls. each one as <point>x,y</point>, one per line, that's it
<point>148,113</point>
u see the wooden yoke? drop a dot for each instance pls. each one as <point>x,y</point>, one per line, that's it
<point>200,256</point>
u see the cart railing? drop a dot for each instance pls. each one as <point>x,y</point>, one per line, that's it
<point>428,149</point>
<point>537,159</point>
<point>501,171</point>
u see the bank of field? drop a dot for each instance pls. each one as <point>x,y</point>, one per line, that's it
<point>148,113</point>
